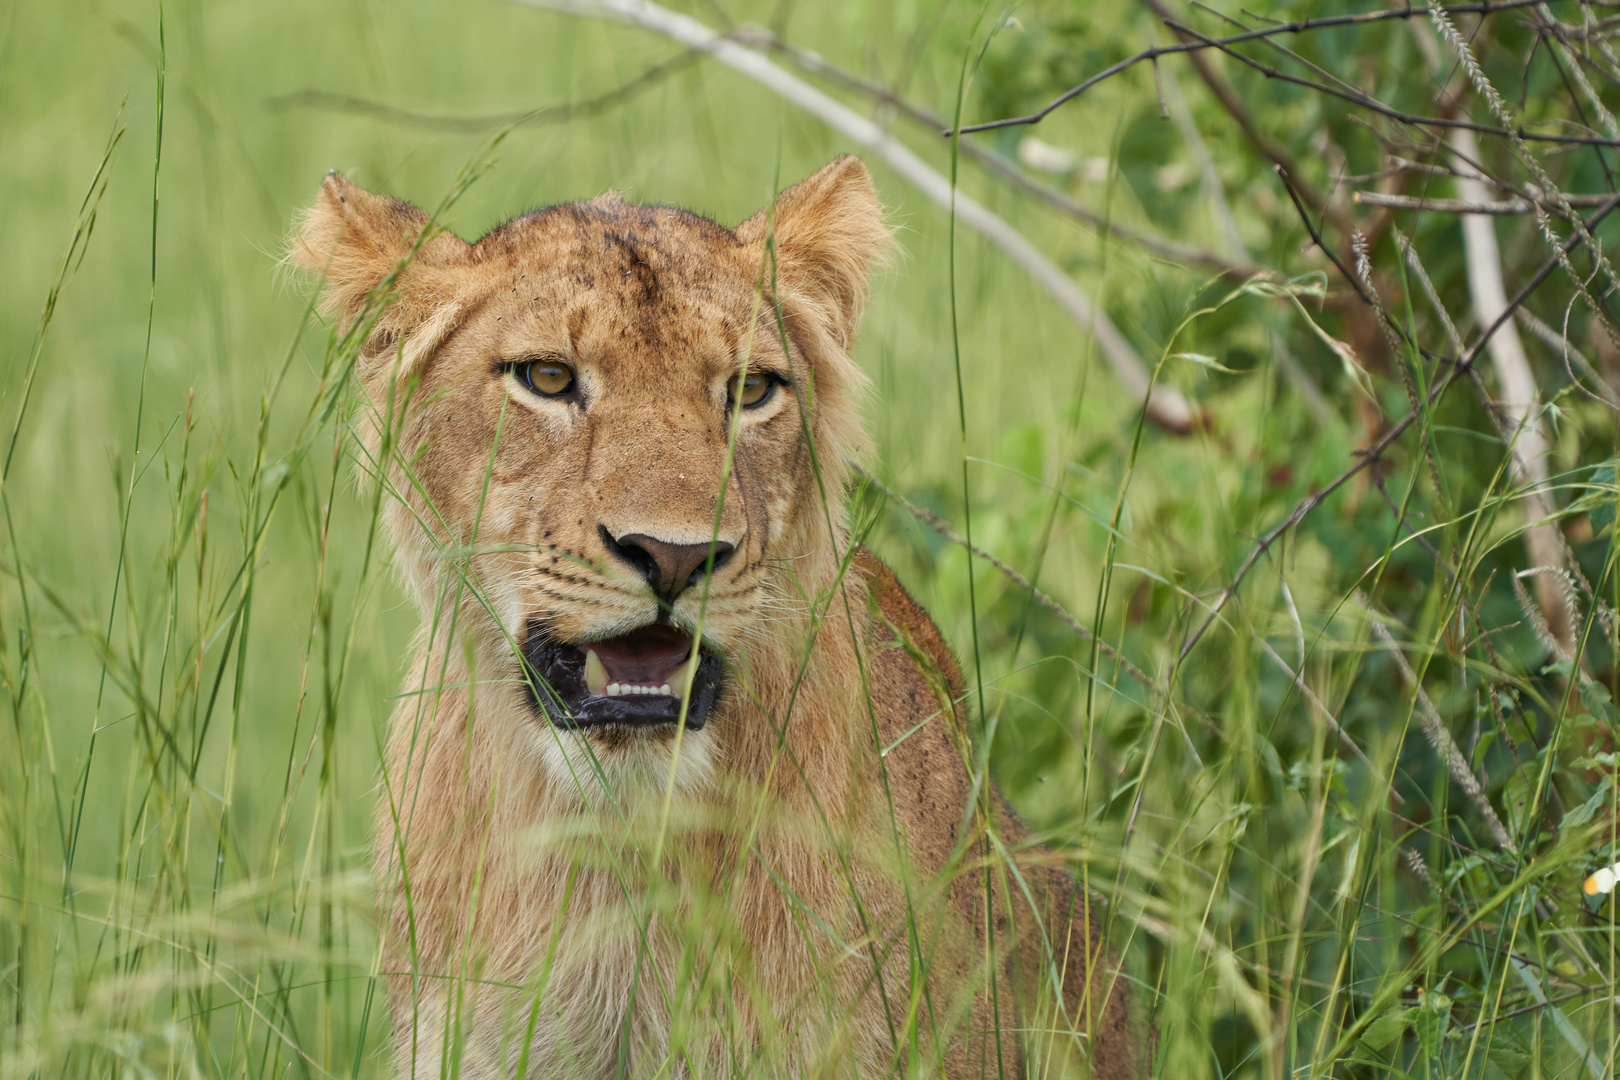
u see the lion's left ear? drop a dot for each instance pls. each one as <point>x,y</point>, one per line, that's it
<point>829,230</point>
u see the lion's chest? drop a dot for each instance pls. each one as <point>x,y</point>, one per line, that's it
<point>681,976</point>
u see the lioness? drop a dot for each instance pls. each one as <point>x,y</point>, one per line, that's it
<point>680,784</point>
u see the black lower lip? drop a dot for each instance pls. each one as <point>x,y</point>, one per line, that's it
<point>556,680</point>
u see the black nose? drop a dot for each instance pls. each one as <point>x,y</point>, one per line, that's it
<point>668,568</point>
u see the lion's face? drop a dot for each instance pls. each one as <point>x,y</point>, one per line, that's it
<point>599,412</point>
<point>587,401</point>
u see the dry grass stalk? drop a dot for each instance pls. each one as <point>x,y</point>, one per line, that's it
<point>1440,737</point>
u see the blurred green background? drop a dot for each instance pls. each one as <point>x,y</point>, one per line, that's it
<point>187,799</point>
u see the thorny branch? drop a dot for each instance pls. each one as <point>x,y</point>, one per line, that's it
<point>1372,104</point>
<point>946,530</point>
<point>1160,691</point>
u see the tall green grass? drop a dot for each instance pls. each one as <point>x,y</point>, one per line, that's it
<point>200,641</point>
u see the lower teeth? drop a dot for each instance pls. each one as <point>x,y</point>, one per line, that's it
<point>621,689</point>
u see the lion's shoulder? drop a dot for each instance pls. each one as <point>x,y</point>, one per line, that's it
<point>916,690</point>
<point>899,621</point>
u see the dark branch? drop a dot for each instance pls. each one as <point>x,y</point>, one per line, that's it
<point>544,114</point>
<point>1367,101</point>
<point>1224,44</point>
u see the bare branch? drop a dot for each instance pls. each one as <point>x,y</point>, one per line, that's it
<point>756,37</point>
<point>1165,406</point>
<point>1299,26</point>
<point>1521,413</point>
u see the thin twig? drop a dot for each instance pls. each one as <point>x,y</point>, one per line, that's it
<point>1400,164</point>
<point>1486,90</point>
<point>1269,148</point>
<point>946,530</point>
<point>1367,101</point>
<point>544,114</point>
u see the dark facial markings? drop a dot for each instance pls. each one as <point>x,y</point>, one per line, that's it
<point>637,267</point>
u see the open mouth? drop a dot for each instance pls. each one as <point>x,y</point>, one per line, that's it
<point>635,679</point>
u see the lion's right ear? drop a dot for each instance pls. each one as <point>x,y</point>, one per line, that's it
<point>355,240</point>
<point>829,230</point>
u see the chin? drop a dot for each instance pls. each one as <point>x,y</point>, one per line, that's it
<point>625,767</point>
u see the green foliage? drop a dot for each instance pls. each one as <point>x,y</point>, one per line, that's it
<point>199,641</point>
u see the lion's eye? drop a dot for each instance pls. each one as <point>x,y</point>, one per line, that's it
<point>752,390</point>
<point>549,378</point>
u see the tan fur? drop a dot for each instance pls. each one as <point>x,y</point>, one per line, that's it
<point>753,898</point>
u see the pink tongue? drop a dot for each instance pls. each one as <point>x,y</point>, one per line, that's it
<point>649,656</point>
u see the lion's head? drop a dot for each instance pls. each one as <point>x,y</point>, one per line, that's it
<point>627,424</point>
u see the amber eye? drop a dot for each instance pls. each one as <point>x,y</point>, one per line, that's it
<point>752,390</point>
<point>548,378</point>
